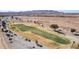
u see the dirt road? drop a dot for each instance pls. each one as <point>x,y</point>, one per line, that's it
<point>3,44</point>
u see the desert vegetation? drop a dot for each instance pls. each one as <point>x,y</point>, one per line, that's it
<point>61,40</point>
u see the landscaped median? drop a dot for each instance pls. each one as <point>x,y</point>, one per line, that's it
<point>56,38</point>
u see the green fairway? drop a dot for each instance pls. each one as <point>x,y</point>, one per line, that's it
<point>58,39</point>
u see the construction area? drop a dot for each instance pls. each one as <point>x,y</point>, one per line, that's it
<point>23,32</point>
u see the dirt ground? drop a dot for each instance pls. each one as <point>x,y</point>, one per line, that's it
<point>3,44</point>
<point>65,23</point>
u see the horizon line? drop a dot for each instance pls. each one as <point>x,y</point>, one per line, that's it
<point>64,11</point>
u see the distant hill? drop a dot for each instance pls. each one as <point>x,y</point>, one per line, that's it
<point>31,12</point>
<point>40,13</point>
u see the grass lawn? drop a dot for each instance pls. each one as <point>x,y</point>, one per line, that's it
<point>58,39</point>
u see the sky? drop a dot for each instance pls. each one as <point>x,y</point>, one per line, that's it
<point>25,5</point>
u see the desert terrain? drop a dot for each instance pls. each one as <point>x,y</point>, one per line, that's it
<point>34,27</point>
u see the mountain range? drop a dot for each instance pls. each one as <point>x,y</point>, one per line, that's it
<point>31,12</point>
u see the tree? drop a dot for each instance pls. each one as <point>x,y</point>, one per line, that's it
<point>73,44</point>
<point>4,24</point>
<point>54,26</point>
<point>73,30</point>
<point>12,17</point>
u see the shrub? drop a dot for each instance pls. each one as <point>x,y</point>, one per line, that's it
<point>54,26</point>
<point>73,30</point>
